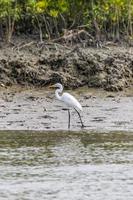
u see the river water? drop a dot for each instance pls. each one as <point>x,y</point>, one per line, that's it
<point>66,165</point>
<point>41,159</point>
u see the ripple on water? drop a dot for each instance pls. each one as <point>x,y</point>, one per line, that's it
<point>66,165</point>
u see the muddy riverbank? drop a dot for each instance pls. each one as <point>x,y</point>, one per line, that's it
<point>33,109</point>
<point>28,63</point>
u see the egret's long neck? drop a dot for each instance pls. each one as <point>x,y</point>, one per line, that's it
<point>57,92</point>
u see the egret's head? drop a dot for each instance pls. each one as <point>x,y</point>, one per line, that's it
<point>57,85</point>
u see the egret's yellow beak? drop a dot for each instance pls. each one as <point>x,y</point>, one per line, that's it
<point>52,86</point>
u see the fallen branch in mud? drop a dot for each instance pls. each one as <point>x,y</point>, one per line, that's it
<point>26,45</point>
<point>51,45</point>
<point>19,47</point>
<point>71,37</point>
<point>41,46</point>
<point>67,41</point>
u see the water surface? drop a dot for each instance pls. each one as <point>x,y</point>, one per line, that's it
<point>66,165</point>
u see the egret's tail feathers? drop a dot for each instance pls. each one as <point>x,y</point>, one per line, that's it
<point>79,107</point>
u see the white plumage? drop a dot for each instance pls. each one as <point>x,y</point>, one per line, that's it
<point>69,100</point>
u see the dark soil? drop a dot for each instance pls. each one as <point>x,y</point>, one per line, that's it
<point>29,63</point>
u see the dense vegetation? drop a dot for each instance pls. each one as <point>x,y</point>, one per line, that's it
<point>48,19</point>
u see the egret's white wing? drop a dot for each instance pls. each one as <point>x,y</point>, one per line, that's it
<point>70,100</point>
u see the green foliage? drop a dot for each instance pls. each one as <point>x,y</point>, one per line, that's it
<point>112,18</point>
<point>9,7</point>
<point>9,13</point>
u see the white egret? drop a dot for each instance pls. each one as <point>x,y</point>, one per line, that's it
<point>69,100</point>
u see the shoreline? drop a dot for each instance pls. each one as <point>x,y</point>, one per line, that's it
<point>38,110</point>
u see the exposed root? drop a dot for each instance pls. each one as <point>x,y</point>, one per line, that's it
<point>76,36</point>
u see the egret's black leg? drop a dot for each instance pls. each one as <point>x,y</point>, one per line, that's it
<point>68,118</point>
<point>80,118</point>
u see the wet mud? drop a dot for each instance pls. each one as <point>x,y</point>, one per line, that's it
<point>33,64</point>
<point>34,109</point>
